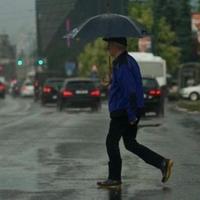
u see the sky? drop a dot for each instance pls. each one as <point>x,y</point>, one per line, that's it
<point>17,19</point>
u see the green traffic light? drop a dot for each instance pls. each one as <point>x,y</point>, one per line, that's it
<point>20,62</point>
<point>40,62</point>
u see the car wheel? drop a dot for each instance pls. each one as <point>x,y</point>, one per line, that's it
<point>160,111</point>
<point>157,112</point>
<point>43,102</point>
<point>194,96</point>
<point>96,107</point>
<point>35,99</point>
<point>59,106</point>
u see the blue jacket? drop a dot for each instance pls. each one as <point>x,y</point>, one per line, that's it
<point>126,90</point>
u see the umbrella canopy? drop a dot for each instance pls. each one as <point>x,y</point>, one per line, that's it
<point>106,26</point>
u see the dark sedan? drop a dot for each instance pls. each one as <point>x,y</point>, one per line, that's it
<point>152,96</point>
<point>50,90</point>
<point>79,92</point>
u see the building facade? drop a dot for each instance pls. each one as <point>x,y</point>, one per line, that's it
<point>7,58</point>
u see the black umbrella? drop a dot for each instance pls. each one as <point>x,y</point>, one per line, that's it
<point>106,26</point>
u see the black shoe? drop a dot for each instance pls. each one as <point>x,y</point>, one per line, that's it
<point>109,183</point>
<point>166,169</point>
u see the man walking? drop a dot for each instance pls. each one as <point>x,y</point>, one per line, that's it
<point>125,105</point>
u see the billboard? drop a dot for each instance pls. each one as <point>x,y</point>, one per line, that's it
<point>196,25</point>
<point>70,69</point>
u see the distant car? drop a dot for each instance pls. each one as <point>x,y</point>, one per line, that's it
<point>50,90</point>
<point>191,92</point>
<point>2,90</point>
<point>27,89</point>
<point>152,96</point>
<point>15,89</point>
<point>79,92</point>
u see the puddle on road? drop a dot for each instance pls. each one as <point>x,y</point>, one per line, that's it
<point>190,123</point>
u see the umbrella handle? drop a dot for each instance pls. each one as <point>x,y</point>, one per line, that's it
<point>110,68</point>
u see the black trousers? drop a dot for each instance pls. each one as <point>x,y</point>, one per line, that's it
<point>120,127</point>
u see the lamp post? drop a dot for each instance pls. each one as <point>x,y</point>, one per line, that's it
<point>108,6</point>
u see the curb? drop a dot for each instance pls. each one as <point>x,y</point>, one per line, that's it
<point>186,110</point>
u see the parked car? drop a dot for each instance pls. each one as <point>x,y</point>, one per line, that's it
<point>2,90</point>
<point>50,90</point>
<point>153,101</point>
<point>190,92</point>
<point>27,89</point>
<point>79,92</point>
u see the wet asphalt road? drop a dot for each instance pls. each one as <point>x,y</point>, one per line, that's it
<point>47,155</point>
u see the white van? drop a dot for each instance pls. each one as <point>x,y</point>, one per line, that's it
<point>151,66</point>
<point>155,67</point>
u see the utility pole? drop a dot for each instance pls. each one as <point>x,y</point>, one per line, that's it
<point>38,15</point>
<point>154,28</point>
<point>122,6</point>
<point>108,6</point>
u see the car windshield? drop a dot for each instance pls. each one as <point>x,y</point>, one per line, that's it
<point>97,82</point>
<point>86,85</point>
<point>29,84</point>
<point>151,68</point>
<point>149,83</point>
<point>55,83</point>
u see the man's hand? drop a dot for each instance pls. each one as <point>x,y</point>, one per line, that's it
<point>135,122</point>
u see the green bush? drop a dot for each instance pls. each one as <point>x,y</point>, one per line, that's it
<point>189,105</point>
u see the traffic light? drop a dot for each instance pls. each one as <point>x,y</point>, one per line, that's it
<point>40,62</point>
<point>20,62</point>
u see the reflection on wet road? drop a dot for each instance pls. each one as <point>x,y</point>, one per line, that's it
<point>48,155</point>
